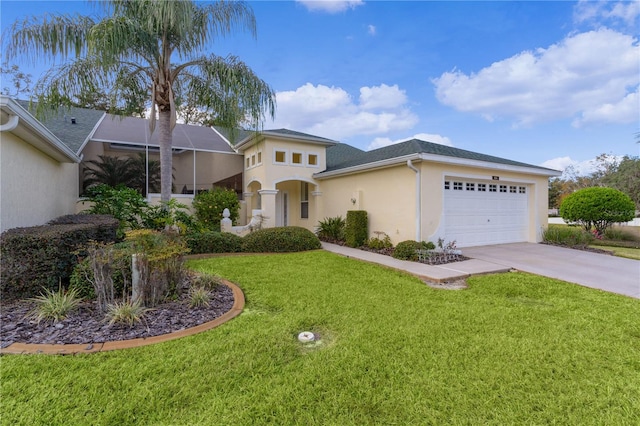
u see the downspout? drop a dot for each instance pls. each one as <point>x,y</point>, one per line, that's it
<point>418,200</point>
<point>11,124</point>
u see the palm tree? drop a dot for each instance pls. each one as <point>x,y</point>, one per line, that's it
<point>133,49</point>
<point>112,171</point>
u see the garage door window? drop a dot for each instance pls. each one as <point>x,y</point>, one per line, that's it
<point>503,188</point>
<point>457,186</point>
<point>447,184</point>
<point>482,187</point>
<point>523,190</point>
<point>493,188</point>
<point>471,186</point>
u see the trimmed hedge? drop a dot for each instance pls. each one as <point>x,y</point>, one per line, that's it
<point>597,207</point>
<point>44,256</point>
<point>280,240</point>
<point>214,242</point>
<point>356,231</point>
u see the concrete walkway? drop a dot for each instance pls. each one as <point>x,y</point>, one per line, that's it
<point>604,272</point>
<point>440,273</point>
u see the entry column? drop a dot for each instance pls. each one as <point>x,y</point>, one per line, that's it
<point>268,201</point>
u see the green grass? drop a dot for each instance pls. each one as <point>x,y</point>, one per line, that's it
<point>628,252</point>
<point>512,349</point>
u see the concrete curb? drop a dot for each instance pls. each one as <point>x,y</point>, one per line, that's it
<point>85,348</point>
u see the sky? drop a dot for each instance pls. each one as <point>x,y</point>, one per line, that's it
<point>550,83</point>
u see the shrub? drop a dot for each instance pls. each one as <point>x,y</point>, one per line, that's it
<point>356,228</point>
<point>159,262</point>
<point>44,256</point>
<point>597,207</point>
<point>280,240</point>
<point>125,204</point>
<point>214,242</point>
<point>209,282</point>
<point>331,229</point>
<point>408,250</point>
<point>570,236</point>
<point>170,213</point>
<point>54,305</point>
<point>209,206</point>
<point>378,243</point>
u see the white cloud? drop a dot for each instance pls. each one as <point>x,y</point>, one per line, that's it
<point>332,113</point>
<point>626,110</point>
<point>330,6</point>
<point>382,96</point>
<point>572,168</point>
<point>575,77</point>
<point>382,142</point>
<point>371,30</point>
<point>599,11</point>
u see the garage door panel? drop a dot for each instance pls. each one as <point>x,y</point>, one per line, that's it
<point>475,217</point>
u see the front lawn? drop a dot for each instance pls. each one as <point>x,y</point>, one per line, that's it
<point>628,252</point>
<point>512,349</point>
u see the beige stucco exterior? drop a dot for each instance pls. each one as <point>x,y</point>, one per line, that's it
<point>403,198</point>
<point>35,187</point>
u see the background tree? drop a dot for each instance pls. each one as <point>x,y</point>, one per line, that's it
<point>20,82</point>
<point>123,171</point>
<point>132,49</point>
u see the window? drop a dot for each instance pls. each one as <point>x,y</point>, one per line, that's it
<point>253,160</point>
<point>493,187</point>
<point>281,156</point>
<point>471,186</point>
<point>312,160</point>
<point>457,186</point>
<point>503,188</point>
<point>447,184</point>
<point>296,158</point>
<point>259,157</point>
<point>513,189</point>
<point>482,187</point>
<point>248,164</point>
<point>522,190</point>
<point>304,200</point>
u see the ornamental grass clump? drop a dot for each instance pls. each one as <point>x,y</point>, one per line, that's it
<point>199,297</point>
<point>126,312</point>
<point>54,305</point>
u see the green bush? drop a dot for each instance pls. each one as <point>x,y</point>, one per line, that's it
<point>280,240</point>
<point>357,228</point>
<point>209,206</point>
<point>170,213</point>
<point>380,241</point>
<point>570,236</point>
<point>331,229</point>
<point>597,207</point>
<point>125,204</point>
<point>214,242</point>
<point>82,278</point>
<point>44,256</point>
<point>408,250</point>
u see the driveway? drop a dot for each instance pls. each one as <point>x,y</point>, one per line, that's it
<point>604,272</point>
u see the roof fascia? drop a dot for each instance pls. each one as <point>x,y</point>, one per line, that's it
<point>272,135</point>
<point>57,149</point>
<point>489,165</point>
<point>90,136</point>
<point>390,162</point>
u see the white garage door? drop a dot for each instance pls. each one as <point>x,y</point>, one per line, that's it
<point>485,212</point>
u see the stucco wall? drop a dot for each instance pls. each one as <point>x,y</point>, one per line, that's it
<point>388,196</point>
<point>34,187</point>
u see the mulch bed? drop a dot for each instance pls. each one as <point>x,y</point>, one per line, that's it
<point>87,324</point>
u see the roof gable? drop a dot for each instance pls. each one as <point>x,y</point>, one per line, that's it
<point>284,134</point>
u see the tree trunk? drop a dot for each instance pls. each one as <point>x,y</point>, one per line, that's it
<point>165,137</point>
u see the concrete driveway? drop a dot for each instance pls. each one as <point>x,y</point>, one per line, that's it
<point>604,272</point>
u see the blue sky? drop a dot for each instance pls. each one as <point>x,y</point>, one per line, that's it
<point>543,82</point>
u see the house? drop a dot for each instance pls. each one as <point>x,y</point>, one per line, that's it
<point>38,171</point>
<point>415,190</point>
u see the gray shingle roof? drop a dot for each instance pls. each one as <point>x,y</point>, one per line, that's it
<point>135,131</point>
<point>59,122</point>
<point>341,153</point>
<point>417,146</point>
<point>293,133</point>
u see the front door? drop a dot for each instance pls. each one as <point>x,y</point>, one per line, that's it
<point>282,208</point>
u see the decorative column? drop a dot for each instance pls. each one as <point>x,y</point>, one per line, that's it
<point>268,197</point>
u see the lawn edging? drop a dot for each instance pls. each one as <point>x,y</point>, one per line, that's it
<point>72,349</point>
